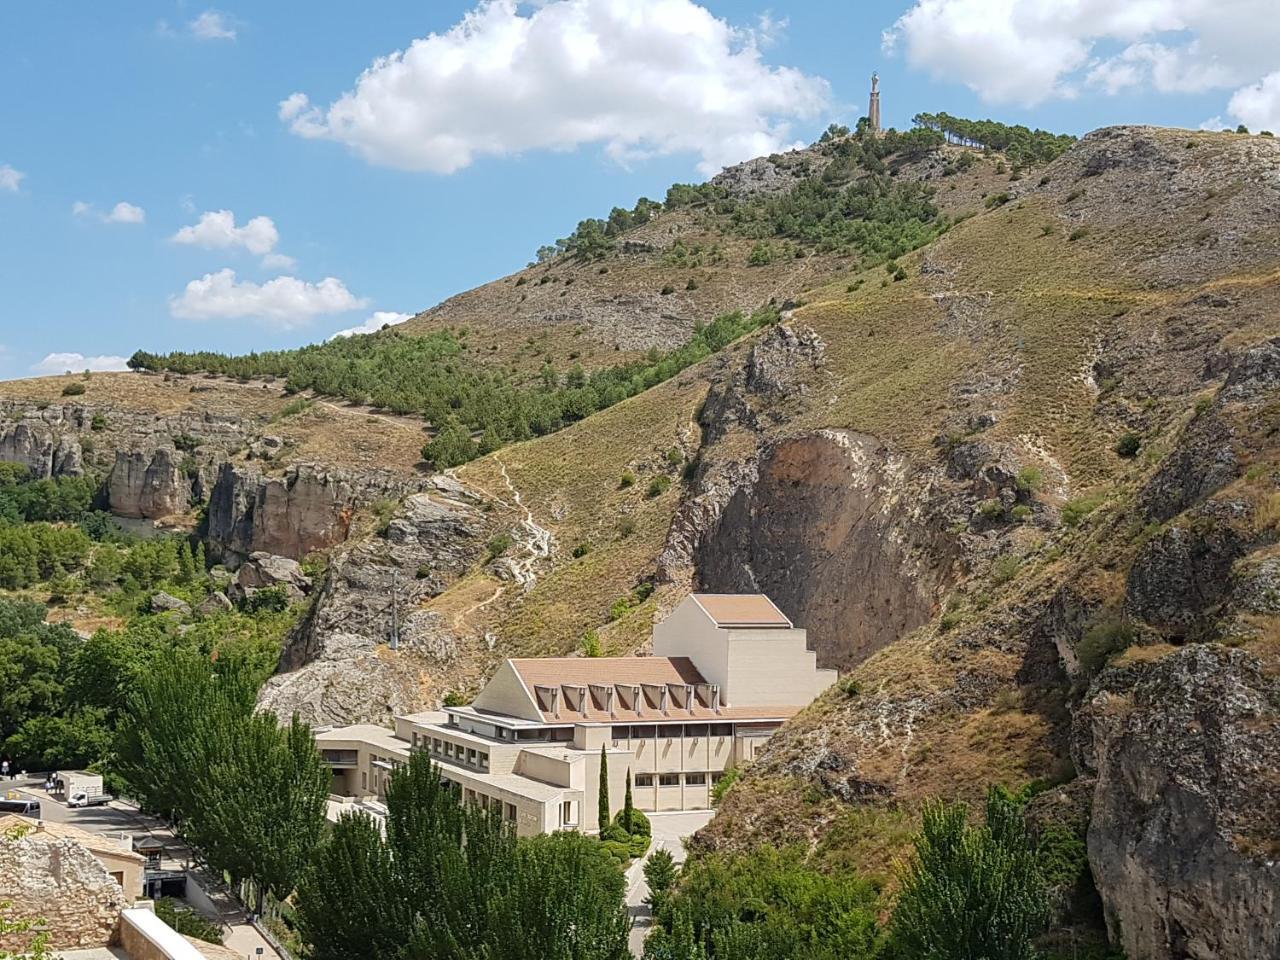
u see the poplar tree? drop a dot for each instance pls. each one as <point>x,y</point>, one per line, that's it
<point>603,800</point>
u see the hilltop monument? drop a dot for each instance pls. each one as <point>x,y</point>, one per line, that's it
<point>873,110</point>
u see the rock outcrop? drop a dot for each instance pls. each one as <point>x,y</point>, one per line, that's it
<point>43,450</point>
<point>1184,836</point>
<point>337,667</point>
<point>308,508</point>
<point>148,485</point>
<point>265,571</point>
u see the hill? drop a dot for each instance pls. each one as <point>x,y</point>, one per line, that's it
<point>1008,452</point>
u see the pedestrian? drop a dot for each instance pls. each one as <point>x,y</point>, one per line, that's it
<point>4,769</point>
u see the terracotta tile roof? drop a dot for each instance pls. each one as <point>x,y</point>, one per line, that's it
<point>49,830</point>
<point>553,671</point>
<point>741,610</point>
<point>593,696</point>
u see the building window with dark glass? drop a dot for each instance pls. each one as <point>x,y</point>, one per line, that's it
<point>668,779</point>
<point>644,779</point>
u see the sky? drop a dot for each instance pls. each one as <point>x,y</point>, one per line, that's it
<point>177,176</point>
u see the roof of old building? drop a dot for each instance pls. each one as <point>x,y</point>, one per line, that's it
<point>48,830</point>
<point>741,610</point>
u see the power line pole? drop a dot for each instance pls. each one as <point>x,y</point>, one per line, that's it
<point>395,608</point>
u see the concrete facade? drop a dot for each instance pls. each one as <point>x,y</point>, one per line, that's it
<point>728,670</point>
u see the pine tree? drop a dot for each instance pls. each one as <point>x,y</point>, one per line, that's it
<point>186,570</point>
<point>198,561</point>
<point>627,806</point>
<point>603,800</point>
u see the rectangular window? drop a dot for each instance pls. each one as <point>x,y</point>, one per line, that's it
<point>695,729</point>
<point>668,779</point>
<point>716,778</point>
<point>695,779</point>
<point>644,779</point>
<point>471,755</point>
<point>642,733</point>
<point>622,733</point>
<point>511,812</point>
<point>722,730</point>
<point>562,733</point>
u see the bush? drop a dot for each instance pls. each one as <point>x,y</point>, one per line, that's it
<point>724,784</point>
<point>590,645</point>
<point>991,510</point>
<point>1021,513</point>
<point>640,826</point>
<point>658,486</point>
<point>98,423</point>
<point>266,600</point>
<point>675,456</point>
<point>628,480</point>
<point>1004,568</point>
<point>1030,479</point>
<point>454,699</point>
<point>1079,233</point>
<point>581,550</point>
<point>692,284</point>
<point>1128,445</point>
<point>498,545</point>
<point>73,389</point>
<point>1074,511</point>
<point>1102,641</point>
<point>186,921</point>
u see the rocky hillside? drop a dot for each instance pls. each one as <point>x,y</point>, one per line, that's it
<point>1022,486</point>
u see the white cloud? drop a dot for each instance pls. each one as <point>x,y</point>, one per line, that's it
<point>217,230</point>
<point>212,25</point>
<point>285,301</point>
<point>1258,106</point>
<point>641,77</point>
<point>10,179</point>
<point>377,320</point>
<point>122,212</point>
<point>1027,51</point>
<point>278,261</point>
<point>125,213</point>
<point>55,363</point>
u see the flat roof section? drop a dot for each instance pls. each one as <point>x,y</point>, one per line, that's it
<point>741,610</point>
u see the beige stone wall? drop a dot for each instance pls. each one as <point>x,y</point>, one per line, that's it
<point>505,693</point>
<point>64,883</point>
<point>773,668</point>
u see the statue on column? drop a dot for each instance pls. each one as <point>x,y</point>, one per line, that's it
<point>873,110</point>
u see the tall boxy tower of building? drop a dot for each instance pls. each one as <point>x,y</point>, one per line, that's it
<point>873,109</point>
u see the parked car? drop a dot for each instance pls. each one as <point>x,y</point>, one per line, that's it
<point>28,808</point>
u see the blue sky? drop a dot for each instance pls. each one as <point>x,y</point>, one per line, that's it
<point>121,125</point>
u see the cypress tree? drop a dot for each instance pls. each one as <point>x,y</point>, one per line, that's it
<point>198,561</point>
<point>186,570</point>
<point>603,800</point>
<point>627,806</point>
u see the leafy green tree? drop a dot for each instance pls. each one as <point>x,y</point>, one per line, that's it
<point>12,928</point>
<point>186,567</point>
<point>971,891</point>
<point>660,873</point>
<point>602,801</point>
<point>34,660</point>
<point>451,446</point>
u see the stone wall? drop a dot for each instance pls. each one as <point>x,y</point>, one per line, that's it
<point>63,884</point>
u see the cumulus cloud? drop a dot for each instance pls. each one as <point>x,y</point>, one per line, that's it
<point>641,77</point>
<point>122,212</point>
<point>212,25</point>
<point>285,302</point>
<point>1258,106</point>
<point>377,320</point>
<point>55,363</point>
<point>10,179</point>
<point>1027,51</point>
<point>278,261</point>
<point>217,230</point>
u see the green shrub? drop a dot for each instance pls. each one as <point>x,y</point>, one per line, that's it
<point>186,921</point>
<point>761,255</point>
<point>453,698</point>
<point>591,646</point>
<point>73,389</point>
<point>1128,445</point>
<point>991,510</point>
<point>98,423</point>
<point>725,784</point>
<point>1005,568</point>
<point>658,486</point>
<point>849,686</point>
<point>675,456</point>
<point>950,620</point>
<point>581,550</point>
<point>266,600</point>
<point>498,545</point>
<point>1104,639</point>
<point>692,284</point>
<point>628,480</point>
<point>1079,233</point>
<point>667,290</point>
<point>1021,513</point>
<point>1030,479</point>
<point>640,826</point>
<point>626,527</point>
<point>1074,511</point>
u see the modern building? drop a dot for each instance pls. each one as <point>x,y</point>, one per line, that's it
<point>727,670</point>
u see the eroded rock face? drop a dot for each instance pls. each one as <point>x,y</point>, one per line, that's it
<point>148,484</point>
<point>65,885</point>
<point>1185,826</point>
<point>837,531</point>
<point>44,451</point>
<point>264,570</point>
<point>337,668</point>
<point>306,509</point>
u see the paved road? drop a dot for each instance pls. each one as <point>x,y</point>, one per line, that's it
<point>669,833</point>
